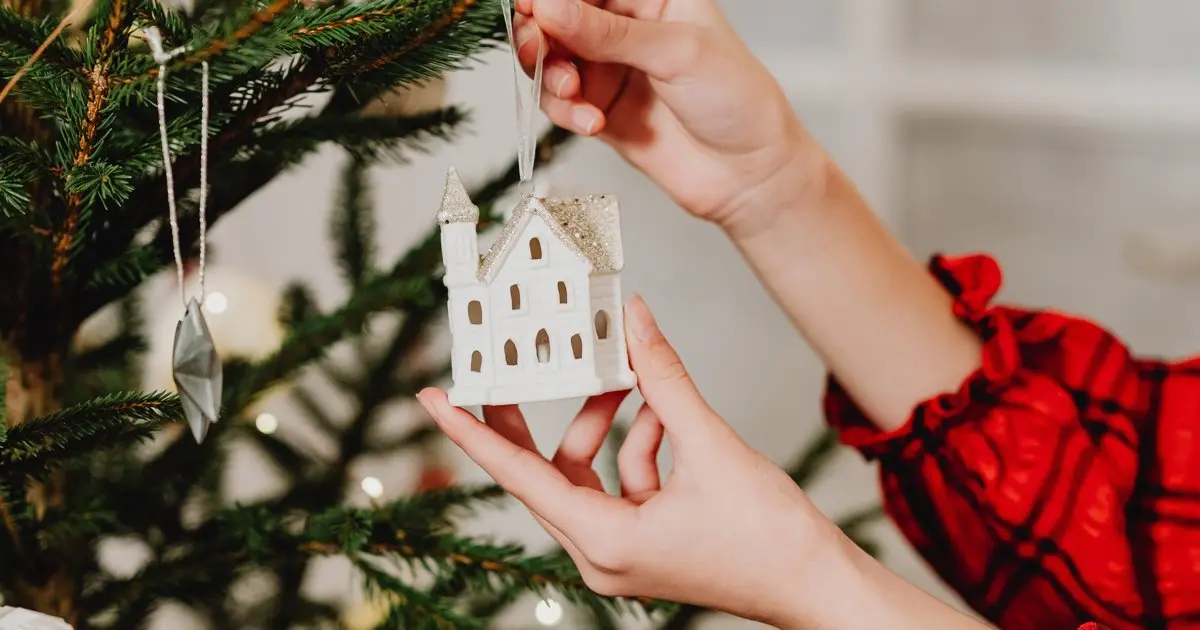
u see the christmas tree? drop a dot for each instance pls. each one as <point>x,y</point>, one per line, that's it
<point>85,456</point>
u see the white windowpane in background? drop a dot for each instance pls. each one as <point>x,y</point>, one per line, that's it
<point>1060,209</point>
<point>1105,34</point>
<point>774,25</point>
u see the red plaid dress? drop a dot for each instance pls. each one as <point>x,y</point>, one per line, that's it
<point>1061,483</point>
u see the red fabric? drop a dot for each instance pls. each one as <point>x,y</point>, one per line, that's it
<point>1061,483</point>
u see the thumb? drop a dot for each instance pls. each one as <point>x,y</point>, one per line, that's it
<point>662,379</point>
<point>660,49</point>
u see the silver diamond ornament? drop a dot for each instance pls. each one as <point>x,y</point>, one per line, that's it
<point>197,371</point>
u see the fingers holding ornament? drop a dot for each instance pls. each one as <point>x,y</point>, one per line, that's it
<point>561,73</point>
<point>508,421</point>
<point>525,474</point>
<point>637,461</point>
<point>576,114</point>
<point>586,434</point>
<point>584,438</point>
<point>575,93</point>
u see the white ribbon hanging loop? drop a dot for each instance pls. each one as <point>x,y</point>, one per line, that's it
<point>526,115</point>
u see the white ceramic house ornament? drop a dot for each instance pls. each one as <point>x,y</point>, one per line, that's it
<point>540,316</point>
<point>22,619</point>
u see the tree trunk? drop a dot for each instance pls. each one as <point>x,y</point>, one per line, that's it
<point>30,389</point>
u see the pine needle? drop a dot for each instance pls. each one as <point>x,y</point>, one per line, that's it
<point>62,26</point>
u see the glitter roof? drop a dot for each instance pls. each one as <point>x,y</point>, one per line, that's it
<point>456,204</point>
<point>589,226</point>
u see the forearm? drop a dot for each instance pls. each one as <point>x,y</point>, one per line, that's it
<point>857,592</point>
<point>883,326</point>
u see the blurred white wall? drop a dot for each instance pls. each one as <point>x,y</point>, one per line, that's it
<point>1065,169</point>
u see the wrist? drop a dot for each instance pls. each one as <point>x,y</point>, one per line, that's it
<point>823,589</point>
<point>848,589</point>
<point>796,181</point>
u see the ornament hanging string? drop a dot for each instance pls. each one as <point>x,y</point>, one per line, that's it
<point>163,57</point>
<point>526,142</point>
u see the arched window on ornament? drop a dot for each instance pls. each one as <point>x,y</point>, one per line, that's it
<point>477,361</point>
<point>577,346</point>
<point>601,325</point>
<point>535,248</point>
<point>475,312</point>
<point>542,343</point>
<point>514,295</point>
<point>510,352</point>
<point>562,292</point>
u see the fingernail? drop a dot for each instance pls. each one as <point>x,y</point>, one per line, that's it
<point>428,408</point>
<point>561,12</point>
<point>525,34</point>
<point>584,120</point>
<point>642,325</point>
<point>558,76</point>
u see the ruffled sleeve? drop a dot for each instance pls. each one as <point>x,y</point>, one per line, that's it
<point>1014,487</point>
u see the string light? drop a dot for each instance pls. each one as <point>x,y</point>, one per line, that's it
<point>548,612</point>
<point>216,303</point>
<point>266,423</point>
<point>373,487</point>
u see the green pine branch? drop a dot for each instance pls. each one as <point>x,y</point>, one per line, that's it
<point>439,23</point>
<point>395,138</point>
<point>297,304</point>
<point>410,54</point>
<point>181,464</point>
<point>176,470</point>
<point>89,181</point>
<point>314,411</point>
<point>353,222</point>
<point>481,566</point>
<point>82,179</point>
<point>78,431</point>
<point>246,537</point>
<point>248,39</point>
<point>26,34</point>
<point>63,527</point>
<point>205,11</point>
<point>311,339</point>
<point>109,30</point>
<point>338,25</point>
<point>192,578</point>
<point>410,608</point>
<point>21,164</point>
<point>434,508</point>
<point>270,154</point>
<point>288,459</point>
<point>446,26</point>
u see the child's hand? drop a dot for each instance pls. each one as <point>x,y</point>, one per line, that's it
<point>674,90</point>
<point>728,529</point>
